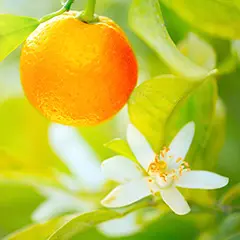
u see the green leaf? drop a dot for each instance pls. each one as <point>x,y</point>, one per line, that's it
<point>220,18</point>
<point>160,107</point>
<point>199,106</point>
<point>64,228</point>
<point>204,97</point>
<point>216,139</point>
<point>13,31</point>
<point>147,22</point>
<point>82,223</point>
<point>152,102</point>
<point>39,231</point>
<point>173,101</point>
<point>121,147</point>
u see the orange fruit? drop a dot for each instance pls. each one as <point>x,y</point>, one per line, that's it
<point>76,73</point>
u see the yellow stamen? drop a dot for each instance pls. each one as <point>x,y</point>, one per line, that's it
<point>162,164</point>
<point>152,167</point>
<point>178,160</point>
<point>174,177</point>
<point>166,149</point>
<point>163,175</point>
<point>164,178</point>
<point>186,164</point>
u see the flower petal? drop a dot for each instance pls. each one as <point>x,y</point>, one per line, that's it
<point>139,146</point>
<point>202,180</point>
<point>121,227</point>
<point>121,169</point>
<point>182,141</point>
<point>175,200</point>
<point>58,203</point>
<point>127,193</point>
<point>74,151</point>
<point>47,210</point>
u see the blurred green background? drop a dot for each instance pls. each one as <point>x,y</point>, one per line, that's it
<point>26,155</point>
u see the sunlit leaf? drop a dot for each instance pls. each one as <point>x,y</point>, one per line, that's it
<point>151,105</point>
<point>39,231</point>
<point>147,22</point>
<point>13,31</point>
<point>121,147</point>
<point>219,17</point>
<point>64,227</point>
<point>204,98</point>
<point>82,223</point>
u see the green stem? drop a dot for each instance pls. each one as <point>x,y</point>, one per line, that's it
<point>65,7</point>
<point>90,9</point>
<point>88,15</point>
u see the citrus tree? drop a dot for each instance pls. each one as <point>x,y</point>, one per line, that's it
<point>127,140</point>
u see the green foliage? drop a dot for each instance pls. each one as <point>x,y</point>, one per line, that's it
<point>64,227</point>
<point>38,231</point>
<point>146,20</point>
<point>14,31</point>
<point>159,107</point>
<point>82,223</point>
<point>220,18</point>
<point>199,106</point>
<point>151,106</point>
<point>121,147</point>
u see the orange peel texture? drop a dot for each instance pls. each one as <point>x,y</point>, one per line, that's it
<point>76,73</point>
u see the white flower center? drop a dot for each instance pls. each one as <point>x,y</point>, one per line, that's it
<point>165,170</point>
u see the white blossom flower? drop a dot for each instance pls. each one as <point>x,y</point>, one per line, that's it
<point>157,174</point>
<point>84,166</point>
